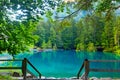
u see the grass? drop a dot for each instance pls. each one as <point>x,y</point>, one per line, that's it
<point>11,71</point>
<point>5,77</point>
<point>7,74</point>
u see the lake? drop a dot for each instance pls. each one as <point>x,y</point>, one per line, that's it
<point>66,63</point>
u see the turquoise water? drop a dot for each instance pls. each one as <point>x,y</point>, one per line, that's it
<point>66,63</point>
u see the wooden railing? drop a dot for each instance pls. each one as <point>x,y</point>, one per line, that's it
<point>23,68</point>
<point>86,66</point>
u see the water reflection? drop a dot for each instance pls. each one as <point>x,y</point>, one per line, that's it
<point>66,63</point>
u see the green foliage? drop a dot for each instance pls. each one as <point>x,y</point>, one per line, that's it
<point>19,37</point>
<point>85,34</point>
<point>65,23</point>
<point>55,47</point>
<point>31,9</point>
<point>49,45</point>
<point>91,47</point>
<point>99,27</point>
<point>103,5</point>
<point>61,7</point>
<point>60,38</point>
<point>52,35</point>
<point>106,7</point>
<point>80,47</point>
<point>5,77</point>
<point>44,45</point>
<point>117,49</point>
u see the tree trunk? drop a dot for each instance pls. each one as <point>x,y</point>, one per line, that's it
<point>13,56</point>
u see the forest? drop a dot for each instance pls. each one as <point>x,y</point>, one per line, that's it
<point>23,24</point>
<point>88,33</point>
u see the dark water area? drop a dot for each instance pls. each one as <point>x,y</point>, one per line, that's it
<point>66,63</point>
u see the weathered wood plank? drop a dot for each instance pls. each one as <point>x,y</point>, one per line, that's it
<point>104,70</point>
<point>24,68</point>
<point>10,68</point>
<point>80,71</point>
<point>104,60</point>
<point>11,60</point>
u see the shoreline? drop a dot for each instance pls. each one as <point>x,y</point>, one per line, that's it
<point>54,78</point>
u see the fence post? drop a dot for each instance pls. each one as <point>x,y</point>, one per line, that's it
<point>40,76</point>
<point>24,68</point>
<point>86,64</point>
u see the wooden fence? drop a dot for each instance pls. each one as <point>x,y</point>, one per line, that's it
<point>86,66</point>
<point>23,68</point>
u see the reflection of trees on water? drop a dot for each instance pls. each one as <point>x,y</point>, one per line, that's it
<point>82,55</point>
<point>96,55</point>
<point>48,55</point>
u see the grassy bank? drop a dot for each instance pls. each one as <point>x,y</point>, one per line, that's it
<point>7,74</point>
<point>5,77</point>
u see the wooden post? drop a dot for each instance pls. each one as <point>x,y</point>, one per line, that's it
<point>86,64</point>
<point>39,76</point>
<point>80,70</point>
<point>24,68</point>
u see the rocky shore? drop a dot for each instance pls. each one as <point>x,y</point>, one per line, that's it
<point>17,76</point>
<point>53,78</point>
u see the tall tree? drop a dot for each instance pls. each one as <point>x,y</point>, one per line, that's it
<point>18,19</point>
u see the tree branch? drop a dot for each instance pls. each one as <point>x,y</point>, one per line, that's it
<point>68,16</point>
<point>116,7</point>
<point>109,10</point>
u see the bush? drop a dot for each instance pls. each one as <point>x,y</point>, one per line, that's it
<point>91,47</point>
<point>80,47</point>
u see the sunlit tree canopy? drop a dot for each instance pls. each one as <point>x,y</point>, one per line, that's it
<point>26,9</point>
<point>19,18</point>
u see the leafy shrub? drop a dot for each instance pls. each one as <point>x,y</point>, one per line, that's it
<point>91,47</point>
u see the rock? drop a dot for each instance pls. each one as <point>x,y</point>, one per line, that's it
<point>42,77</point>
<point>29,75</point>
<point>16,74</point>
<point>105,79</point>
<point>94,78</point>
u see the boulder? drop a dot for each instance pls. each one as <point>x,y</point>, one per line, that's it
<point>16,74</point>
